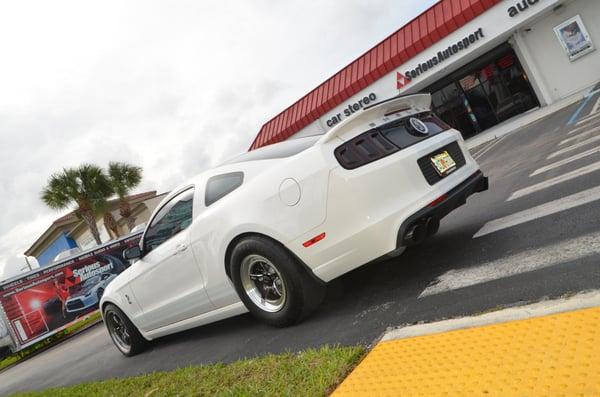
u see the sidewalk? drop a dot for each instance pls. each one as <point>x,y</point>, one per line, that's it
<point>546,349</point>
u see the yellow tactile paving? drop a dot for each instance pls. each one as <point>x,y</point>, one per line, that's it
<point>556,355</point>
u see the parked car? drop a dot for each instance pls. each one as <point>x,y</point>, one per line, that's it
<point>267,230</point>
<point>89,293</point>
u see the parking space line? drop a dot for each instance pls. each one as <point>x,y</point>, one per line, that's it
<point>523,262</point>
<point>589,124</point>
<point>540,211</point>
<point>478,155</point>
<point>579,109</point>
<point>566,161</point>
<point>555,181</point>
<point>578,136</point>
<point>575,146</point>
<point>588,118</point>
<point>596,107</point>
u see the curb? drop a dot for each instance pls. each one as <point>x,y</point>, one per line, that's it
<point>544,348</point>
<point>583,300</point>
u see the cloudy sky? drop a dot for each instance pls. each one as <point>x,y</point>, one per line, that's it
<point>174,87</point>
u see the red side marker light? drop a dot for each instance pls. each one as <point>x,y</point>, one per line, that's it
<point>314,240</point>
<point>438,200</point>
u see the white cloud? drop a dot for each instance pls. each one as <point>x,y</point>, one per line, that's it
<point>172,86</point>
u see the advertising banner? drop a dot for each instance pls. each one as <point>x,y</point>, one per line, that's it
<point>42,302</point>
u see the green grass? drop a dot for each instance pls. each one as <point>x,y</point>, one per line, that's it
<point>314,372</point>
<point>20,355</point>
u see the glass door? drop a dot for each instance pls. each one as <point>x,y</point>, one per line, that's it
<point>453,107</point>
<point>489,90</point>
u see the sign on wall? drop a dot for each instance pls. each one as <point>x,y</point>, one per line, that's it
<point>574,38</point>
<point>443,55</point>
<point>41,303</point>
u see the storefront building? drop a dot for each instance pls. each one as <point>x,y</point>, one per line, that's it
<point>483,61</point>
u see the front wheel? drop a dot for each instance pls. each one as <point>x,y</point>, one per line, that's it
<point>124,334</point>
<point>272,283</point>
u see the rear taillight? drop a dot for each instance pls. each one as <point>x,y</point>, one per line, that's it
<point>382,141</point>
<point>364,149</point>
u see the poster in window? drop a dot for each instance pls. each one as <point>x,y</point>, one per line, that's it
<point>574,38</point>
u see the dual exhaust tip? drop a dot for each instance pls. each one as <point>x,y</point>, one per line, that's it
<point>420,230</point>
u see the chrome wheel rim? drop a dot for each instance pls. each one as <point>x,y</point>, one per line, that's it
<point>118,331</point>
<point>263,283</point>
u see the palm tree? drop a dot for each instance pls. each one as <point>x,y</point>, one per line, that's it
<point>86,186</point>
<point>123,178</point>
<point>109,220</point>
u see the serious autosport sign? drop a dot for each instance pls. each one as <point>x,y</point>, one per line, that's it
<point>441,56</point>
<point>41,303</point>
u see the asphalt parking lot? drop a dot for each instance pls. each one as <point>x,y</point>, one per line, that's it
<point>538,236</point>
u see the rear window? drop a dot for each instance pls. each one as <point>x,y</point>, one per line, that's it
<point>401,134</point>
<point>220,186</point>
<point>279,150</point>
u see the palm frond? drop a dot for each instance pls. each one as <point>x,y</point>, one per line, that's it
<point>124,177</point>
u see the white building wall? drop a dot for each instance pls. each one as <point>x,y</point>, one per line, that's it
<point>546,55</point>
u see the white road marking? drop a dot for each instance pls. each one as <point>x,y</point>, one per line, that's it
<point>488,148</point>
<point>596,107</point>
<point>584,133</point>
<point>575,146</point>
<point>552,207</point>
<point>555,181</point>
<point>583,127</point>
<point>523,262</point>
<point>587,118</point>
<point>566,161</point>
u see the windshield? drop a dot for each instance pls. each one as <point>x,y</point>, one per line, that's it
<point>91,281</point>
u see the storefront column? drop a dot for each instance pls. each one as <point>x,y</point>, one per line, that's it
<point>530,67</point>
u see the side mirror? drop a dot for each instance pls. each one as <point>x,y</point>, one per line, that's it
<point>132,253</point>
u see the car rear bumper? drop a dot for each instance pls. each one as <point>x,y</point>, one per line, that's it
<point>443,206</point>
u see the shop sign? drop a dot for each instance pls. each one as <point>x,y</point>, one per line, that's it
<point>520,7</point>
<point>351,109</point>
<point>440,57</point>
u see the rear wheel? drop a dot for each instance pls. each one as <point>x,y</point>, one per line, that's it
<point>124,334</point>
<point>272,283</point>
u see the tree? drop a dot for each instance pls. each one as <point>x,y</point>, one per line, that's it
<point>86,186</point>
<point>109,220</point>
<point>124,177</point>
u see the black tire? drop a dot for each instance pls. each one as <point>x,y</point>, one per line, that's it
<point>99,293</point>
<point>303,292</point>
<point>128,346</point>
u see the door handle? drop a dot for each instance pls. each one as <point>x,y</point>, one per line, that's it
<point>180,248</point>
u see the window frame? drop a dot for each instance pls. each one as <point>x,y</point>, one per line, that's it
<point>157,211</point>
<point>217,177</point>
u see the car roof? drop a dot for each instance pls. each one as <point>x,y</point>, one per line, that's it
<point>278,150</point>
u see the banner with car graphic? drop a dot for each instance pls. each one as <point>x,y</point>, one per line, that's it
<point>40,303</point>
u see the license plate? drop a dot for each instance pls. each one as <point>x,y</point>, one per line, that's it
<point>443,163</point>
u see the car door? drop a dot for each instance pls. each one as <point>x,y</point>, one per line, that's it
<point>169,286</point>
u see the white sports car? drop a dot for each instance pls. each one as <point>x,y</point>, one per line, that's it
<point>267,230</point>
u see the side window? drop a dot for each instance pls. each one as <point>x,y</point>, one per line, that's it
<point>172,218</point>
<point>220,186</point>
